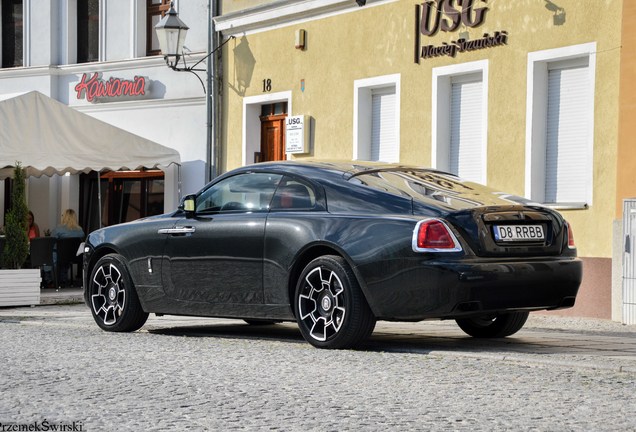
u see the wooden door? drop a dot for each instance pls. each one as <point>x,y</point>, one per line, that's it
<point>273,138</point>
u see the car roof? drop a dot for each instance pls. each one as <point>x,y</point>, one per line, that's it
<point>347,169</point>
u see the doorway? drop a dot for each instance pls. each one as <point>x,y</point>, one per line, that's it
<point>263,134</point>
<point>272,132</point>
<point>126,196</point>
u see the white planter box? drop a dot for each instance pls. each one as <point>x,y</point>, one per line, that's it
<point>20,287</point>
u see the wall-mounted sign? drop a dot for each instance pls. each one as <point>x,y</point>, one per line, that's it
<point>444,15</point>
<point>447,16</point>
<point>297,133</point>
<point>462,45</point>
<point>96,89</point>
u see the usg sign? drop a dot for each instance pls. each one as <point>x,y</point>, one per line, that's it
<point>297,134</point>
<point>447,15</point>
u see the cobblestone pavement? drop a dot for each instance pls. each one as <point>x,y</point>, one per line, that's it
<point>57,367</point>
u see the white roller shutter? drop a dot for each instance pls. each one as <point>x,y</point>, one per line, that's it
<point>465,128</point>
<point>567,152</point>
<point>383,123</point>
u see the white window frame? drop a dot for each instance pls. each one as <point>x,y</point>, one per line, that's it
<point>69,31</point>
<point>440,117</point>
<point>536,116</point>
<point>251,134</point>
<point>26,33</point>
<point>362,110</point>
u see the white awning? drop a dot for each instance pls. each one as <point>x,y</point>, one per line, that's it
<point>48,137</point>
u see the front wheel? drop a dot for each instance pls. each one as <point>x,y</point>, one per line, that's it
<point>330,308</point>
<point>113,299</point>
<point>496,326</point>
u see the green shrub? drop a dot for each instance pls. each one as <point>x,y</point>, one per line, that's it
<point>16,248</point>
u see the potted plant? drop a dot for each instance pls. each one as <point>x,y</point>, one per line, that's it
<point>17,286</point>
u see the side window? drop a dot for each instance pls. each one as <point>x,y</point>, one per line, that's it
<point>377,118</point>
<point>87,31</point>
<point>12,33</point>
<point>155,10</point>
<point>293,195</point>
<point>248,192</point>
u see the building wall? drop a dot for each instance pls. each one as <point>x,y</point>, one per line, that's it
<point>626,166</point>
<point>173,112</point>
<point>356,43</point>
<point>626,160</point>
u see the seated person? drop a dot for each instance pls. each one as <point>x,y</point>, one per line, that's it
<point>69,226</point>
<point>33,230</point>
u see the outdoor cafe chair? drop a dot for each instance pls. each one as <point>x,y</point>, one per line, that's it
<point>42,255</point>
<point>67,255</point>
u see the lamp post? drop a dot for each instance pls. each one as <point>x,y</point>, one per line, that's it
<point>171,32</point>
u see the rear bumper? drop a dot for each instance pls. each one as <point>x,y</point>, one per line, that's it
<point>434,289</point>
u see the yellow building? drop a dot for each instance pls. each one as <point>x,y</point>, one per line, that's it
<point>522,95</point>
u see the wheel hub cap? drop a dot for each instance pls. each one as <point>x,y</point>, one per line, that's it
<point>112,294</point>
<point>326,303</point>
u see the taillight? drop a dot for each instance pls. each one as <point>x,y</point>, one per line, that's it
<point>571,244</point>
<point>432,235</point>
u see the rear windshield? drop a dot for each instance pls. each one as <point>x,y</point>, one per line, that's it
<point>426,186</point>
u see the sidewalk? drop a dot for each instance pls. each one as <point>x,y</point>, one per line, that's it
<point>71,295</point>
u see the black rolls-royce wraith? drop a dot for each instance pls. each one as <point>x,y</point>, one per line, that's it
<point>336,246</point>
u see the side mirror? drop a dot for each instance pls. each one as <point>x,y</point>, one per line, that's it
<point>189,206</point>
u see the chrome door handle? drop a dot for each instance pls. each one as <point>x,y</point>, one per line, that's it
<point>177,230</point>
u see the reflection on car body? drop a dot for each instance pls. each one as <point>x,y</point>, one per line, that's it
<point>336,246</point>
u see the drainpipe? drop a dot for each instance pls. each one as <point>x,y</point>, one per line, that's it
<point>213,97</point>
<point>209,105</point>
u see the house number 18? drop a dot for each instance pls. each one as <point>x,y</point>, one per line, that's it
<point>267,85</point>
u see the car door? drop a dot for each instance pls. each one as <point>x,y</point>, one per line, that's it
<point>217,256</point>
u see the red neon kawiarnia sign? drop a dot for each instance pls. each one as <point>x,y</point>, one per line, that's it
<point>95,88</point>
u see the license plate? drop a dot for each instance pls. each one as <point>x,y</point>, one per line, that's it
<point>515,233</point>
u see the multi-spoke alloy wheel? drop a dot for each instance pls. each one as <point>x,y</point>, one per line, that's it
<point>114,302</point>
<point>330,308</point>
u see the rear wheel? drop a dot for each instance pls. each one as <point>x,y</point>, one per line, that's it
<point>496,326</point>
<point>114,302</point>
<point>330,308</point>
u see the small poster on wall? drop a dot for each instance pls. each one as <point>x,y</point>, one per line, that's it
<point>297,134</point>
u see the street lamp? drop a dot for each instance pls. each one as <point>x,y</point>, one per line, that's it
<point>171,32</point>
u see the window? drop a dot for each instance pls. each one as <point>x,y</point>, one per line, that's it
<point>240,193</point>
<point>560,127</point>
<point>383,143</point>
<point>466,159</point>
<point>87,31</point>
<point>459,120</point>
<point>377,119</point>
<point>155,10</point>
<point>293,195</point>
<point>12,33</point>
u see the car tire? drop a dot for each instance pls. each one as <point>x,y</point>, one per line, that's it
<point>331,310</point>
<point>112,296</point>
<point>493,326</point>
